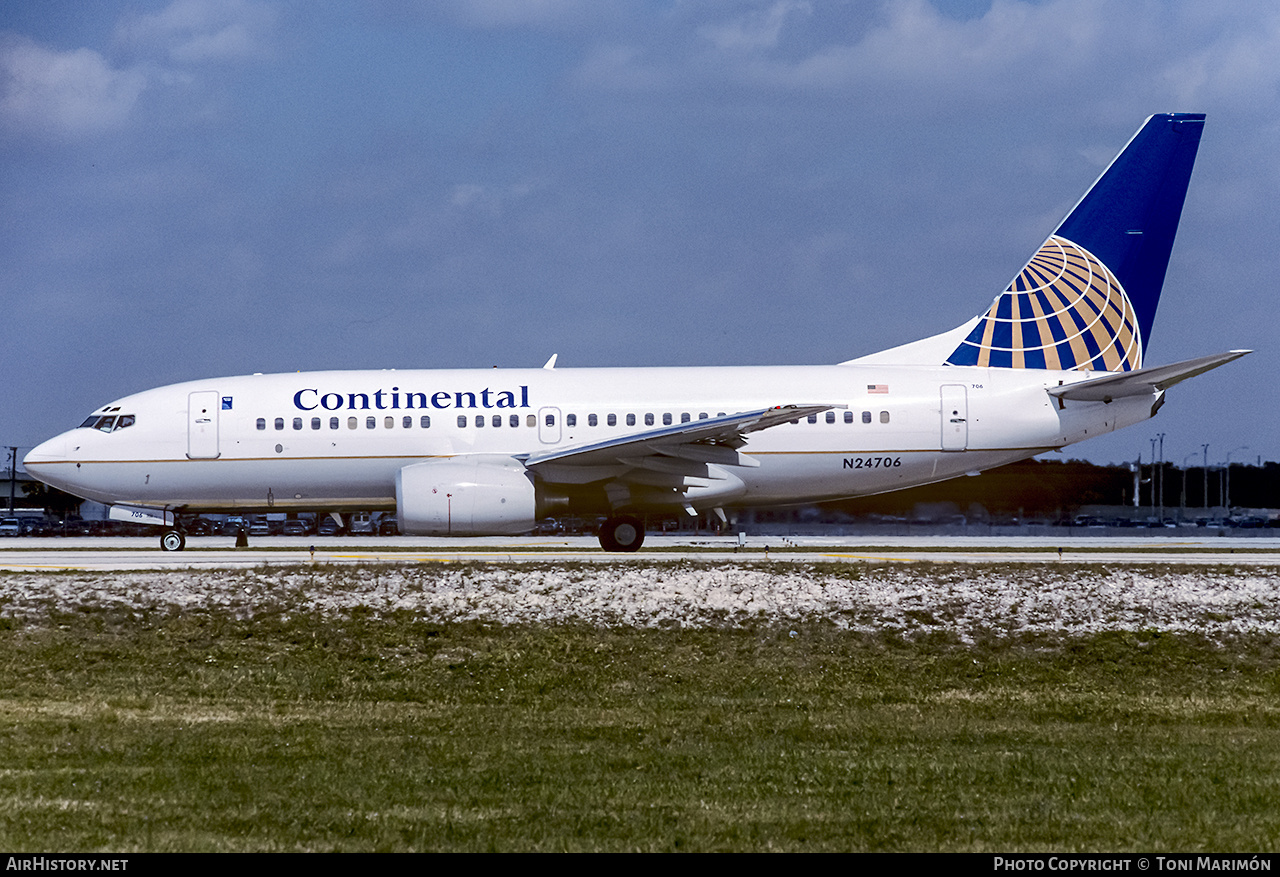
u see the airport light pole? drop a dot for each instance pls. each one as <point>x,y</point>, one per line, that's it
<point>13,474</point>
<point>1205,448</point>
<point>1153,478</point>
<point>1160,517</point>
<point>1226,491</point>
<point>1184,485</point>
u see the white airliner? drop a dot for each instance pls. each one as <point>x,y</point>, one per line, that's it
<point>1057,358</point>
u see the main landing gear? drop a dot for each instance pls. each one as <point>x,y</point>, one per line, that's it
<point>173,540</point>
<point>623,533</point>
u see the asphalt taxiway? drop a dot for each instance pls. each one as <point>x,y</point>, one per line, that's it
<point>214,552</point>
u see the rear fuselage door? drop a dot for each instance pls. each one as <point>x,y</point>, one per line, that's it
<point>955,417</point>
<point>202,425</point>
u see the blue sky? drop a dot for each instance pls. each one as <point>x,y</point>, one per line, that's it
<point>205,187</point>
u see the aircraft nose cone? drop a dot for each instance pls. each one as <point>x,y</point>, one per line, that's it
<point>52,451</point>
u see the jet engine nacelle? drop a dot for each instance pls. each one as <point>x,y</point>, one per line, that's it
<point>480,495</point>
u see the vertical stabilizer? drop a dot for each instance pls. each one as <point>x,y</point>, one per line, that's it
<point>1088,297</point>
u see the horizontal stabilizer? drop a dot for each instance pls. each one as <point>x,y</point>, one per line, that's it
<point>1143,381</point>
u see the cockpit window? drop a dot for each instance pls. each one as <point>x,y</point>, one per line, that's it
<point>109,423</point>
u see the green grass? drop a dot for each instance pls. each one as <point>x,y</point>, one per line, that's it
<point>129,731</point>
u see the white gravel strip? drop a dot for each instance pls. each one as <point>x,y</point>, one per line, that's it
<point>968,601</point>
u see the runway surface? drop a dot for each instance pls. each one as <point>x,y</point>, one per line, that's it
<point>219,552</point>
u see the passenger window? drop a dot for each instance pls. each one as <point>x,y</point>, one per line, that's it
<point>479,420</point>
<point>702,415</point>
<point>497,420</point>
<point>831,417</point>
<point>297,423</point>
<point>279,423</point>
<point>884,416</point>
<point>685,417</point>
<point>462,420</point>
<point>613,420</point>
<point>631,420</point>
<point>551,420</point>
<point>315,423</point>
<point>407,423</point>
<point>371,423</point>
<point>812,418</point>
<point>531,420</point>
<point>866,417</point>
<point>848,417</point>
<point>425,422</point>
<point>389,422</point>
<point>571,420</point>
<point>352,422</point>
<point>591,420</point>
<point>514,420</point>
<point>262,423</point>
<point>648,420</point>
<point>333,423</point>
<point>666,419</point>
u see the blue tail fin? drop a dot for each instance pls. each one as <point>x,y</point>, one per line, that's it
<point>1088,297</point>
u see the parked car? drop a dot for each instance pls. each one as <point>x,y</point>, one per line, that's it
<point>360,522</point>
<point>10,527</point>
<point>388,526</point>
<point>296,528</point>
<point>328,527</point>
<point>200,527</point>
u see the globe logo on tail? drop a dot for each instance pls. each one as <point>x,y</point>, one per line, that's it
<point>1064,311</point>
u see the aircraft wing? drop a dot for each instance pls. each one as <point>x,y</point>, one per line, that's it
<point>1143,381</point>
<point>676,451</point>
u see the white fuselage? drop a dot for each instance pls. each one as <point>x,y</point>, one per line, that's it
<point>335,440</point>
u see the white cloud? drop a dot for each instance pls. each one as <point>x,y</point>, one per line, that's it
<point>490,199</point>
<point>200,31</point>
<point>884,52</point>
<point>758,29</point>
<point>44,92</point>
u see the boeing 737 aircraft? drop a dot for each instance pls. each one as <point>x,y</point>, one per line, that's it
<point>1056,358</point>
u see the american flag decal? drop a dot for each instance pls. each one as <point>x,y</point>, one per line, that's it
<point>877,388</point>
